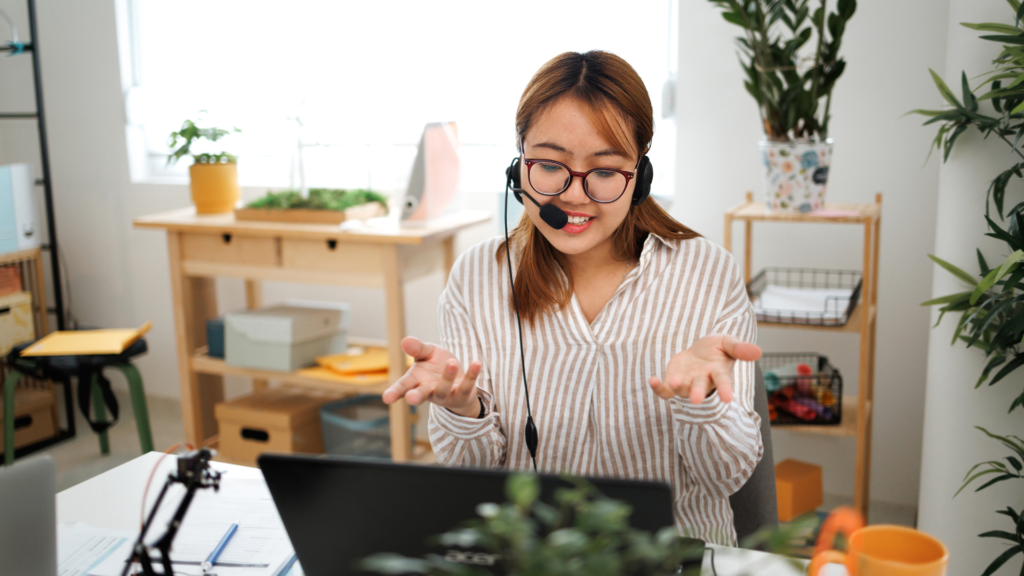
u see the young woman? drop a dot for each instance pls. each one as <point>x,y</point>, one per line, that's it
<point>637,333</point>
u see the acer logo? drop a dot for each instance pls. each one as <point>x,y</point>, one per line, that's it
<point>476,558</point>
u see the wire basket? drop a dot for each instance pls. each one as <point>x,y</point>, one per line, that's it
<point>803,388</point>
<point>835,310</point>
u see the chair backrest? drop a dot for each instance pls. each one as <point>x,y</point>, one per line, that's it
<point>755,505</point>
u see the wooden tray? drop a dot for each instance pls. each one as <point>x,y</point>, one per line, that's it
<point>306,216</point>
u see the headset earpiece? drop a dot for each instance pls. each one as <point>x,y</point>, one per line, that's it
<point>514,179</point>
<point>644,179</point>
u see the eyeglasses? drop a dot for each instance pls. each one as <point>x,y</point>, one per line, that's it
<point>551,178</point>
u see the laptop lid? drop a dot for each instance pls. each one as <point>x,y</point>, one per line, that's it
<point>338,510</point>
<point>28,518</point>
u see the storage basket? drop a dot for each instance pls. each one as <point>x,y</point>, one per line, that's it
<point>835,310</point>
<point>358,426</point>
<point>815,398</point>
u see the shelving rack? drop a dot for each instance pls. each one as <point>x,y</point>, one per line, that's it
<point>857,410</point>
<point>39,115</point>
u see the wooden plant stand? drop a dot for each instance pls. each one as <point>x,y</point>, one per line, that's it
<point>857,410</point>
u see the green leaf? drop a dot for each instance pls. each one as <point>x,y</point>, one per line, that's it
<point>1000,560</point>
<point>1014,462</point>
<point>924,112</point>
<point>995,480</point>
<point>982,263</point>
<point>994,275</point>
<point>1005,39</point>
<point>948,299</point>
<point>1018,108</point>
<point>944,90</point>
<point>991,27</point>
<point>954,270</point>
<point>999,534</point>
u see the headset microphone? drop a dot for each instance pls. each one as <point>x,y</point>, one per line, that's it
<point>551,215</point>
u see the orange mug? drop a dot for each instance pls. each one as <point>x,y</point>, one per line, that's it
<point>879,550</point>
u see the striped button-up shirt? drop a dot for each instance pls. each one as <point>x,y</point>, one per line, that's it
<point>595,413</point>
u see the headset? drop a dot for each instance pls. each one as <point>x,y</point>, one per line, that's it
<point>556,218</point>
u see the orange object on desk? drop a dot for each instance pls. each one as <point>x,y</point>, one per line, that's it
<point>798,487</point>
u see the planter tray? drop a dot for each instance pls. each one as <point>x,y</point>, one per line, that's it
<point>307,216</point>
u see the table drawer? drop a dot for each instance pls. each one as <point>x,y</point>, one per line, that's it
<point>231,248</point>
<point>330,255</point>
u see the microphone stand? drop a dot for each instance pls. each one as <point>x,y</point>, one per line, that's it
<point>194,473</point>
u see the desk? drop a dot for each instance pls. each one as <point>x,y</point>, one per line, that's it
<point>113,500</point>
<point>200,248</point>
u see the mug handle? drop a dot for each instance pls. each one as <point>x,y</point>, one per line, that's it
<point>821,558</point>
<point>843,520</point>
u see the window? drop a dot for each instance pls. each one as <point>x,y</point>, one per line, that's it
<point>363,78</point>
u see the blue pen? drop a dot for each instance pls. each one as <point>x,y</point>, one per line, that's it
<point>208,564</point>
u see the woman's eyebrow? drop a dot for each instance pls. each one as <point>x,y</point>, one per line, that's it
<point>557,148</point>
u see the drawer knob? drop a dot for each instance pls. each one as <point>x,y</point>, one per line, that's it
<point>332,244</point>
<point>227,238</point>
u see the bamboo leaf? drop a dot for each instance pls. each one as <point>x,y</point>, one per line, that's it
<point>999,534</point>
<point>1005,371</point>
<point>947,299</point>
<point>992,27</point>
<point>995,480</point>
<point>944,90</point>
<point>1005,39</point>
<point>954,270</point>
<point>1000,560</point>
<point>994,275</point>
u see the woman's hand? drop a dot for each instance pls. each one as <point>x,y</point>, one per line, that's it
<point>436,376</point>
<point>707,365</point>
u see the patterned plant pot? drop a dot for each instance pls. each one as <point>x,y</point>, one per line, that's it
<point>795,174</point>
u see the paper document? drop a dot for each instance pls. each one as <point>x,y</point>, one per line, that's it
<point>81,548</point>
<point>823,303</point>
<point>260,547</point>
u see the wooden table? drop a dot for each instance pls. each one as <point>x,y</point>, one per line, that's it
<point>202,247</point>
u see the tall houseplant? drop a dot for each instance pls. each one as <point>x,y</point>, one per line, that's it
<point>213,177</point>
<point>789,87</point>
<point>992,309</point>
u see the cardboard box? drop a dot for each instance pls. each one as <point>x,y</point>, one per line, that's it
<point>282,419</point>
<point>798,486</point>
<point>285,338</point>
<point>35,416</point>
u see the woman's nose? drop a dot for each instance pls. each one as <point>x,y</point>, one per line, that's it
<point>575,194</point>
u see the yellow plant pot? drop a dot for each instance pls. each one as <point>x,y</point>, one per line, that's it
<point>215,187</point>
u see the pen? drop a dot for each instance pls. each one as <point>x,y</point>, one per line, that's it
<point>208,564</point>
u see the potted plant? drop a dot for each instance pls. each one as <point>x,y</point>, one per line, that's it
<point>584,533</point>
<point>319,206</point>
<point>213,176</point>
<point>788,86</point>
<point>991,310</point>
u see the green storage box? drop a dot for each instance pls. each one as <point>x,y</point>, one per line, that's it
<point>286,337</point>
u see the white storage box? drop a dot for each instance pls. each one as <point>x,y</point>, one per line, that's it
<point>286,337</point>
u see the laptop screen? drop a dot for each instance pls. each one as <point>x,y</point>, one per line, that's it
<point>338,511</point>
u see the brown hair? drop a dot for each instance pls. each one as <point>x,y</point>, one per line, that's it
<point>609,89</point>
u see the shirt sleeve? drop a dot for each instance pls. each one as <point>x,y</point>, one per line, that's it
<point>721,441</point>
<point>458,440</point>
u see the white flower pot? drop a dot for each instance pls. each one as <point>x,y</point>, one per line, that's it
<point>795,174</point>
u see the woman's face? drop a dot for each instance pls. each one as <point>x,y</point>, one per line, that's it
<point>565,133</point>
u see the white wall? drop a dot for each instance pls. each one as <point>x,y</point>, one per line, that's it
<point>953,407</point>
<point>889,47</point>
<point>119,275</point>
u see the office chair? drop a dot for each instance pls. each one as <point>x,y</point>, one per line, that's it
<point>755,505</point>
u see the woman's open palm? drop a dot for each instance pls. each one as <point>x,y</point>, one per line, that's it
<point>705,366</point>
<point>436,376</point>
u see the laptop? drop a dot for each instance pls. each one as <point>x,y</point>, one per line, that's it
<point>28,518</point>
<point>339,510</point>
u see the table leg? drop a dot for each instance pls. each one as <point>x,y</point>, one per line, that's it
<point>194,300</point>
<point>394,298</point>
<point>254,300</point>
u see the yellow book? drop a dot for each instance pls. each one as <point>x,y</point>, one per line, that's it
<point>373,360</point>
<point>367,379</point>
<point>86,342</point>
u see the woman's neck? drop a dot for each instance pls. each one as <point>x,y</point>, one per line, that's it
<point>593,261</point>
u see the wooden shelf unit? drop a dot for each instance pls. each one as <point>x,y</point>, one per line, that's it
<point>857,410</point>
<point>203,247</point>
